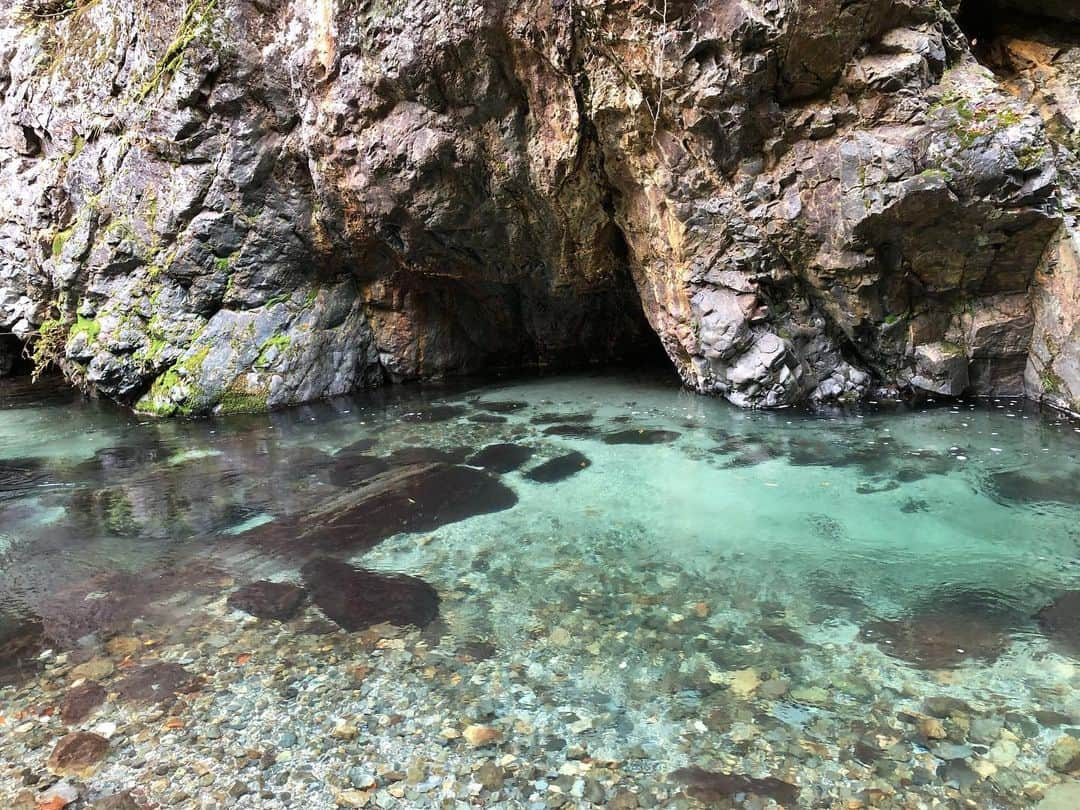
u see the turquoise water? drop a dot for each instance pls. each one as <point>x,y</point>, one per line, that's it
<point>763,596</point>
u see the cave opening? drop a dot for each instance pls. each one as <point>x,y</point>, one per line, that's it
<point>979,21</point>
<point>13,359</point>
<point>986,23</point>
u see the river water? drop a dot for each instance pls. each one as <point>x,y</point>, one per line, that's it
<point>590,590</point>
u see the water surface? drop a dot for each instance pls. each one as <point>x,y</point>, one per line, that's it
<point>640,594</point>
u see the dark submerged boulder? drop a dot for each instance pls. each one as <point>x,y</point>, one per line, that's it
<point>1060,621</point>
<point>357,598</point>
<point>641,436</point>
<point>559,468</point>
<point>80,701</point>
<point>712,787</point>
<point>268,600</point>
<point>501,458</point>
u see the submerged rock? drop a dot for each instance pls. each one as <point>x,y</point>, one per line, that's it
<point>1025,487</point>
<point>501,458</point>
<point>551,418</point>
<point>78,754</point>
<point>414,498</point>
<point>575,431</point>
<point>18,476</point>
<point>1060,621</point>
<point>357,598</point>
<point>641,436</point>
<point>434,413</point>
<point>268,600</point>
<point>713,786</point>
<point>1065,796</point>
<point>21,641</point>
<point>501,406</point>
<point>156,683</point>
<point>939,641</point>
<point>80,701</point>
<point>1065,755</point>
<point>352,469</point>
<point>404,456</point>
<point>558,469</point>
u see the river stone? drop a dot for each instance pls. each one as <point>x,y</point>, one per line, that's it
<point>80,701</point>
<point>641,436</point>
<point>268,600</point>
<point>21,641</point>
<point>558,469</point>
<point>356,598</point>
<point>78,754</point>
<point>1065,796</point>
<point>501,458</point>
<point>1060,621</point>
<point>414,498</point>
<point>1065,754</point>
<point>351,469</point>
<point>118,801</point>
<point>576,431</point>
<point>95,669</point>
<point>155,683</point>
<point>714,787</point>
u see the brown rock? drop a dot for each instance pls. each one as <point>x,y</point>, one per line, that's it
<point>118,801</point>
<point>479,736</point>
<point>268,600</point>
<point>155,683</point>
<point>78,754</point>
<point>122,646</point>
<point>95,669</point>
<point>80,701</point>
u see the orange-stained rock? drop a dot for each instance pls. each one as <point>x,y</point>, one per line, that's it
<point>78,754</point>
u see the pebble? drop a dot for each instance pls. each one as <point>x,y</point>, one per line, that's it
<point>478,736</point>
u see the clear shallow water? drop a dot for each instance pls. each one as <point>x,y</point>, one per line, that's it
<point>760,595</point>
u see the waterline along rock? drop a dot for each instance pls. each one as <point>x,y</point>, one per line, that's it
<point>240,204</point>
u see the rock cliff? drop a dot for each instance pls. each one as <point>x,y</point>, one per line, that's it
<point>240,204</point>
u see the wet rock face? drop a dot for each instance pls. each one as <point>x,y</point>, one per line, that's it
<point>801,203</point>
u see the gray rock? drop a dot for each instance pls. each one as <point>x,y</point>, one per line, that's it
<point>1065,754</point>
<point>303,206</point>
